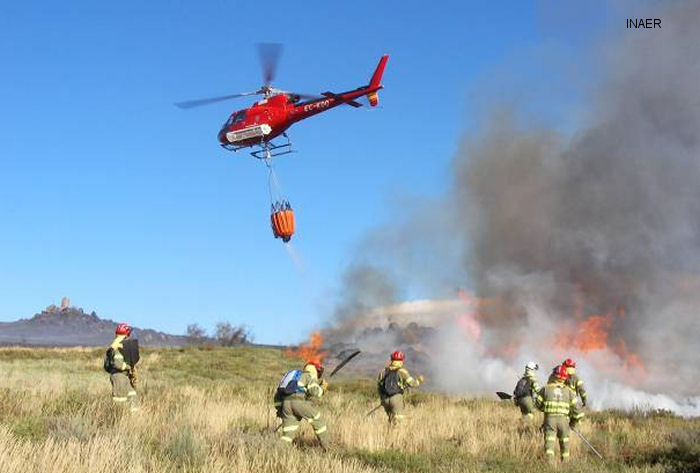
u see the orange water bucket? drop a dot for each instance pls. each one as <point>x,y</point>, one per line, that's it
<point>282,220</point>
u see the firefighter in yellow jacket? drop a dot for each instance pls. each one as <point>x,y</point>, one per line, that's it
<point>560,407</point>
<point>293,402</point>
<point>121,375</point>
<point>575,383</point>
<point>391,383</point>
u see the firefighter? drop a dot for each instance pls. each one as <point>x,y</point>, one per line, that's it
<point>561,412</point>
<point>121,375</point>
<point>391,384</point>
<point>294,395</point>
<point>526,388</point>
<point>575,383</point>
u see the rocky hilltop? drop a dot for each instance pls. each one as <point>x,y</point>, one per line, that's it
<point>71,326</point>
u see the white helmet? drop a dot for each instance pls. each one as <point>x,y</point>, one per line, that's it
<point>532,365</point>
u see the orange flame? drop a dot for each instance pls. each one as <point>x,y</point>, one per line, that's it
<point>592,333</point>
<point>309,352</point>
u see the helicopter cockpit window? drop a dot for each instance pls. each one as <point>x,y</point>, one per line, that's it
<point>239,117</point>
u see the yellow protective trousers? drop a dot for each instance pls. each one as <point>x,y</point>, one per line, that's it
<point>393,406</point>
<point>296,410</point>
<point>556,427</point>
<point>527,408</point>
<point>123,392</point>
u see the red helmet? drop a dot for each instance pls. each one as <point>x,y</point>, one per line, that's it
<point>123,329</point>
<point>560,372</point>
<point>397,356</point>
<point>569,363</point>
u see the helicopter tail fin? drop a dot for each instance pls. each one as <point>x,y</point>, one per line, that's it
<point>375,82</point>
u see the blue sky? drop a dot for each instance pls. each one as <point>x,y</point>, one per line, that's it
<point>112,196</point>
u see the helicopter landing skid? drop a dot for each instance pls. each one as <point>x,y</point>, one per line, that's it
<point>270,150</point>
<point>267,149</point>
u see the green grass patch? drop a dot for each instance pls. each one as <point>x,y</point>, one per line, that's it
<point>30,428</point>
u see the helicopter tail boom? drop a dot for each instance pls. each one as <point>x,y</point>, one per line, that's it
<point>330,100</point>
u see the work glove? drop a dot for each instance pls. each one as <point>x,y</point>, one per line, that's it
<point>573,423</point>
<point>324,385</point>
<point>420,379</point>
<point>583,402</point>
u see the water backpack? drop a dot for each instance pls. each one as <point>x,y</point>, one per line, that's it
<point>523,388</point>
<point>289,383</point>
<point>130,350</point>
<point>390,383</point>
<point>109,361</point>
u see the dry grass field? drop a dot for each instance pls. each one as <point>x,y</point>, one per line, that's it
<point>210,411</point>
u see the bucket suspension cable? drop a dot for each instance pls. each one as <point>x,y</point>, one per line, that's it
<point>273,185</point>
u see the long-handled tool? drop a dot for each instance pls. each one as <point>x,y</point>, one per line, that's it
<point>588,444</point>
<point>373,410</point>
<point>503,395</point>
<point>344,362</point>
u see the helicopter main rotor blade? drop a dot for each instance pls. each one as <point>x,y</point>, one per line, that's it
<point>307,96</point>
<point>300,95</point>
<point>269,57</point>
<point>199,102</point>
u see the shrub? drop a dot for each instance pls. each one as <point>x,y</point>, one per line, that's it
<point>227,335</point>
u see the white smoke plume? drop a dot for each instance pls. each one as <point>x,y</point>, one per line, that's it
<point>584,246</point>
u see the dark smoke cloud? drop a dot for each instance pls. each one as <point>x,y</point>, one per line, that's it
<point>611,217</point>
<point>556,227</point>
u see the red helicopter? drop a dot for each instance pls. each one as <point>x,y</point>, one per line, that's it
<point>266,119</point>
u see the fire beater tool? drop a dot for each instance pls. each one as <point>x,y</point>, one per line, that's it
<point>588,444</point>
<point>344,362</point>
<point>503,395</point>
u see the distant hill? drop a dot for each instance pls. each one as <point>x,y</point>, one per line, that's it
<point>71,326</point>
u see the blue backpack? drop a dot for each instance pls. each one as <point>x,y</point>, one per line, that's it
<point>289,383</point>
